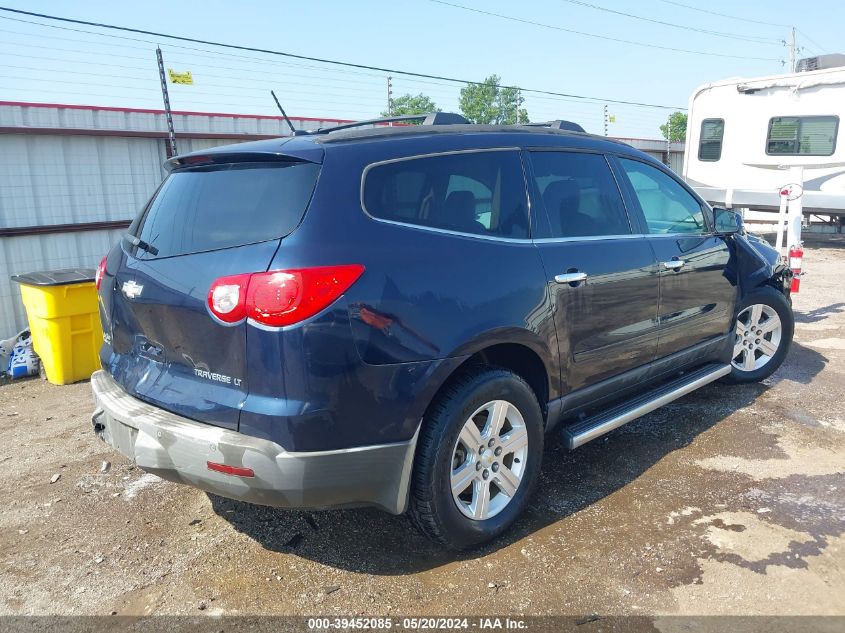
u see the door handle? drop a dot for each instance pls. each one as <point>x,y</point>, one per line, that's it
<point>674,264</point>
<point>571,278</point>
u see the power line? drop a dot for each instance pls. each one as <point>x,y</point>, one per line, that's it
<point>156,101</point>
<point>193,89</point>
<point>215,54</point>
<point>597,36</point>
<point>816,44</point>
<point>266,76</point>
<point>442,91</point>
<point>685,27</point>
<point>725,15</point>
<point>321,60</point>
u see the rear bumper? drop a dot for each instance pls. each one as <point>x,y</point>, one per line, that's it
<point>178,449</point>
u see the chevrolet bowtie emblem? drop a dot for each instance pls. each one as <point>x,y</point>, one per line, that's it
<point>132,290</point>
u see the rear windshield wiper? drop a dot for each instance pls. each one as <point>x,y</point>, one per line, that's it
<point>144,246</point>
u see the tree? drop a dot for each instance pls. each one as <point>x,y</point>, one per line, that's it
<point>677,126</point>
<point>411,104</point>
<point>488,102</point>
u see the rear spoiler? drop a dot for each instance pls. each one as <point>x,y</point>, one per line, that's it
<point>232,154</point>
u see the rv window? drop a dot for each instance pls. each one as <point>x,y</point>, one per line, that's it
<point>807,135</point>
<point>710,143</point>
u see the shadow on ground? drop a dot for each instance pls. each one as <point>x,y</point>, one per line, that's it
<point>372,542</point>
<point>819,314</point>
<point>801,366</point>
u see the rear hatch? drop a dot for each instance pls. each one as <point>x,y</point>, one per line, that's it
<point>206,221</point>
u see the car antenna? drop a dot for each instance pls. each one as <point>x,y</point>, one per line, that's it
<point>282,110</point>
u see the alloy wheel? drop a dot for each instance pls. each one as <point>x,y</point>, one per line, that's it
<point>758,335</point>
<point>489,459</point>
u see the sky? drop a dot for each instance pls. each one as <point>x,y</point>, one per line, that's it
<point>562,46</point>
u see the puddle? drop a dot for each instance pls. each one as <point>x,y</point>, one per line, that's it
<point>748,536</point>
<point>799,459</point>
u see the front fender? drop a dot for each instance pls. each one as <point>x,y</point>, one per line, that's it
<point>755,262</point>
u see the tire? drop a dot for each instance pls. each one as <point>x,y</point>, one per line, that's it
<point>759,351</point>
<point>477,398</point>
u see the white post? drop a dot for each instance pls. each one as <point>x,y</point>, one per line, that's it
<point>796,207</point>
<point>781,218</point>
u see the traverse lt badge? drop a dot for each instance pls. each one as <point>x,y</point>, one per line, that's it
<point>132,290</point>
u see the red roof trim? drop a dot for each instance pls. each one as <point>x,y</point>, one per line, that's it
<point>151,111</point>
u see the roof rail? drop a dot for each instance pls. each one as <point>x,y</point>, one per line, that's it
<point>560,124</point>
<point>430,118</point>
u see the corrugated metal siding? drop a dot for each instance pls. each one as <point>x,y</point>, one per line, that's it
<point>57,116</point>
<point>44,252</point>
<point>186,145</point>
<point>74,179</point>
<point>657,149</point>
<point>676,162</point>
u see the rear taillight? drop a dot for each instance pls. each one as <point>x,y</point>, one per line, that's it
<point>227,298</point>
<point>280,297</point>
<point>101,271</point>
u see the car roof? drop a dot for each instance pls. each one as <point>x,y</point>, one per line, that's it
<point>461,136</point>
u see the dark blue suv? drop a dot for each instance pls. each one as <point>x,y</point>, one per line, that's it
<point>396,316</point>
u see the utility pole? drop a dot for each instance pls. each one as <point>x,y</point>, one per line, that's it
<point>171,134</point>
<point>668,140</point>
<point>792,51</point>
<point>605,120</point>
<point>389,95</point>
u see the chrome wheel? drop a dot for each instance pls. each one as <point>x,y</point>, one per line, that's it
<point>758,335</point>
<point>489,459</point>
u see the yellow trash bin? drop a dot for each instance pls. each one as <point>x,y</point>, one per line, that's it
<point>61,306</point>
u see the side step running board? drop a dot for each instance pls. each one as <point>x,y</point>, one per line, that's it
<point>604,422</point>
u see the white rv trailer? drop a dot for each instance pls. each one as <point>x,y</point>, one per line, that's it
<point>749,138</point>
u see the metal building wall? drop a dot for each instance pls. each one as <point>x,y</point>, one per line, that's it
<point>657,149</point>
<point>44,252</point>
<point>73,179</point>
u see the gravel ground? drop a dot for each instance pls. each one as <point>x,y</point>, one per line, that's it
<point>729,501</point>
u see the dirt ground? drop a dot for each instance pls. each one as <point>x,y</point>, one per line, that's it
<point>728,501</point>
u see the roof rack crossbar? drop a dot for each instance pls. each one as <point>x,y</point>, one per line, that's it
<point>430,118</point>
<point>559,124</point>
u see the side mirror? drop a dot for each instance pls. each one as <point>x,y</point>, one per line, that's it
<point>728,222</point>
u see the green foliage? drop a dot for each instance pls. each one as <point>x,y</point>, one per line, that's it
<point>411,104</point>
<point>487,102</point>
<point>677,126</point>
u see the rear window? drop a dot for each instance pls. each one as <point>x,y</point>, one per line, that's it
<point>208,208</point>
<point>481,193</point>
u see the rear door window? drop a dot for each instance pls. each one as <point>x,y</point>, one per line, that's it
<point>579,195</point>
<point>220,206</point>
<point>480,193</point>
